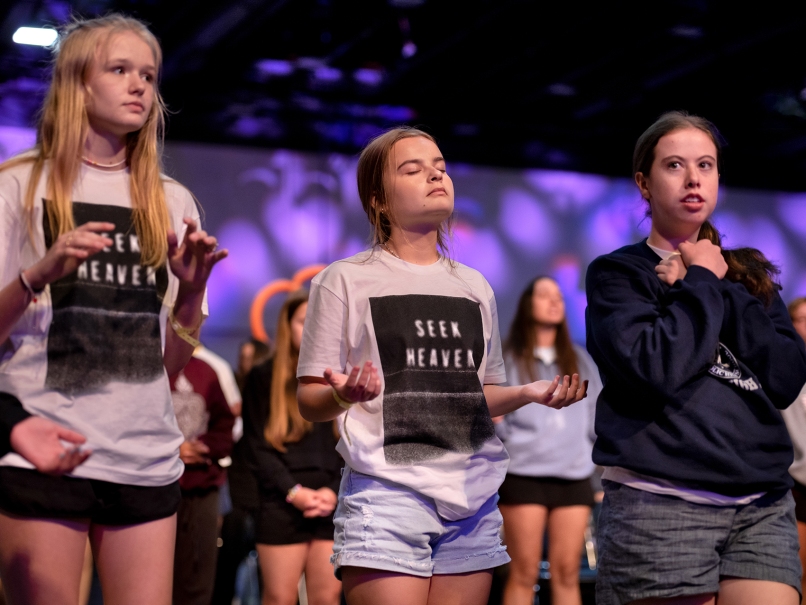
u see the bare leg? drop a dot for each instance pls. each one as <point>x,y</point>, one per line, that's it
<point>524,525</point>
<point>323,587</point>
<point>86,576</point>
<point>461,589</point>
<point>363,586</point>
<point>802,542</point>
<point>41,560</point>
<point>741,591</point>
<point>281,567</point>
<point>135,562</point>
<point>566,526</point>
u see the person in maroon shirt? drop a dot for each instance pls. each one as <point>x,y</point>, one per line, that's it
<point>206,421</point>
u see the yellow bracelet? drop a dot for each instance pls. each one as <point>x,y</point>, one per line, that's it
<point>183,332</point>
<point>342,402</point>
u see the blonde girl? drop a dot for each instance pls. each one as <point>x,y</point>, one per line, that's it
<point>103,271</point>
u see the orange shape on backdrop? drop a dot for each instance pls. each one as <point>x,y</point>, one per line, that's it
<point>276,287</point>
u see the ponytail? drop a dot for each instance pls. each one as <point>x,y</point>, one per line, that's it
<point>746,266</point>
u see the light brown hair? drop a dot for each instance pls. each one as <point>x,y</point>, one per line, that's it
<point>793,306</point>
<point>63,128</point>
<point>747,266</point>
<point>372,190</point>
<point>285,424</point>
<point>522,338</point>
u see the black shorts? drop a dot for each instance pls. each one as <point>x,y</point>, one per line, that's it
<point>799,493</point>
<point>29,493</point>
<point>282,523</point>
<point>550,492</point>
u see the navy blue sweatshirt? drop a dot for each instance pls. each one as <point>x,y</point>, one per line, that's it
<point>693,374</point>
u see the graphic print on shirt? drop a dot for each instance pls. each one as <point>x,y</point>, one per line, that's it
<point>106,314</point>
<point>727,367</point>
<point>433,402</point>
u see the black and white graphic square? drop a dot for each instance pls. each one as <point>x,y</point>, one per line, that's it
<point>433,402</point>
<point>106,314</point>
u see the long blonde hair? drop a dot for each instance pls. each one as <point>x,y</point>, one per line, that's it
<point>285,424</point>
<point>63,128</point>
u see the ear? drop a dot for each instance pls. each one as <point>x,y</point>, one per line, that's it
<point>643,185</point>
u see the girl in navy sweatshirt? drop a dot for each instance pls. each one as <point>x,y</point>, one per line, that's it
<point>698,355</point>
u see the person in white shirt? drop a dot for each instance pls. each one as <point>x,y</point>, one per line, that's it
<point>103,270</point>
<point>401,343</point>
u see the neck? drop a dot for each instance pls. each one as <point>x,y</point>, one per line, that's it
<point>670,242</point>
<point>546,336</point>
<point>417,248</point>
<point>104,148</point>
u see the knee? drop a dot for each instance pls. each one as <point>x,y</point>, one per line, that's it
<point>565,572</point>
<point>523,574</point>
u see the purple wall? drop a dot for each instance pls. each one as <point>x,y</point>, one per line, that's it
<point>278,211</point>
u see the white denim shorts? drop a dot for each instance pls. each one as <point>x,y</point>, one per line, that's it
<point>384,525</point>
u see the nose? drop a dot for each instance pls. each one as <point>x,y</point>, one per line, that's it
<point>692,178</point>
<point>136,84</point>
<point>435,176</point>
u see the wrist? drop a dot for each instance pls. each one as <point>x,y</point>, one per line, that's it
<point>343,403</point>
<point>292,493</point>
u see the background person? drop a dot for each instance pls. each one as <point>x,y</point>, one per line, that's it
<point>548,481</point>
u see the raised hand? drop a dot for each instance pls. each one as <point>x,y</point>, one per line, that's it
<point>194,452</point>
<point>556,394</point>
<point>68,252</point>
<point>361,384</point>
<point>40,442</point>
<point>705,254</point>
<point>193,261</point>
<point>671,269</point>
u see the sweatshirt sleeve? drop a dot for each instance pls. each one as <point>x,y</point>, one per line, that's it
<point>219,428</point>
<point>638,333</point>
<point>765,340</point>
<point>264,461</point>
<point>11,413</point>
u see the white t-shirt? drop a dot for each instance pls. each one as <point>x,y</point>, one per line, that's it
<point>229,386</point>
<point>433,333</point>
<point>88,353</point>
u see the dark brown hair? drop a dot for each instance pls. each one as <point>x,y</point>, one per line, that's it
<point>522,340</point>
<point>747,266</point>
<point>372,191</point>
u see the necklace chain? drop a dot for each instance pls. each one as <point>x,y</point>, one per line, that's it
<point>99,165</point>
<point>386,247</point>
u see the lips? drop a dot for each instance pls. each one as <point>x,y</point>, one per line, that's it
<point>438,190</point>
<point>693,198</point>
<point>135,105</point>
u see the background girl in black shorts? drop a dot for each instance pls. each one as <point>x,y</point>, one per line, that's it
<point>298,473</point>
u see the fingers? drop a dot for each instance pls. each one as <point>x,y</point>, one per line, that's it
<point>363,383</point>
<point>96,226</point>
<point>70,436</point>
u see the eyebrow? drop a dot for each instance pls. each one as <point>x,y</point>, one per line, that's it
<point>680,157</point>
<point>112,59</point>
<point>435,160</point>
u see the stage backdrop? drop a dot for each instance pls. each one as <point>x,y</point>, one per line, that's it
<point>279,211</point>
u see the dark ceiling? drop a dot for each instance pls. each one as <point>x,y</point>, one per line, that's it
<point>566,85</point>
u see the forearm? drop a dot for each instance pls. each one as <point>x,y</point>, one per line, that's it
<point>187,311</point>
<point>11,414</point>
<point>316,402</point>
<point>503,400</point>
<point>14,299</point>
